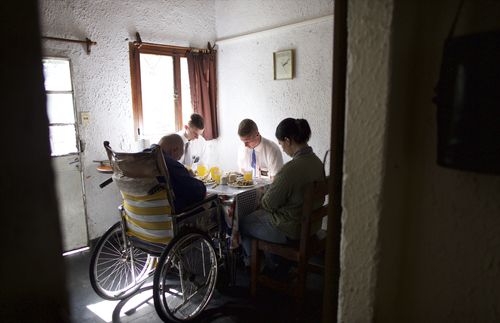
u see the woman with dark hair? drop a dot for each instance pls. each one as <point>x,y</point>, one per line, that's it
<point>279,218</point>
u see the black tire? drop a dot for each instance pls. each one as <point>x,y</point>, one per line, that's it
<point>185,277</point>
<point>113,275</point>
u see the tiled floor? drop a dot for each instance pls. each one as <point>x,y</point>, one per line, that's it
<point>235,306</point>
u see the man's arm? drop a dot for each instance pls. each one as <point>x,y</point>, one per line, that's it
<point>242,159</point>
<point>188,190</point>
<point>193,190</point>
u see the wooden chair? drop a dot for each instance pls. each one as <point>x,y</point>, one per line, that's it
<point>309,245</point>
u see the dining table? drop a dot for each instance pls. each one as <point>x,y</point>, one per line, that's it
<point>237,202</point>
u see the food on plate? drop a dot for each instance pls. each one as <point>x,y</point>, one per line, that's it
<point>208,181</point>
<point>232,178</point>
<point>205,179</point>
<point>243,182</point>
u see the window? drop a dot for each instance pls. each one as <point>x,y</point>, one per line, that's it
<point>160,89</point>
<point>60,108</point>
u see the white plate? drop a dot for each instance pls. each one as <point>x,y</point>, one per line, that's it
<point>205,180</point>
<point>241,186</point>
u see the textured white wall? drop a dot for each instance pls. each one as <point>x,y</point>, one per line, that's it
<point>235,17</point>
<point>369,24</point>
<point>102,79</point>
<point>245,71</point>
<point>427,236</point>
<point>451,229</point>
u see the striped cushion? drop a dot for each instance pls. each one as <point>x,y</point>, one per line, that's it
<point>149,216</point>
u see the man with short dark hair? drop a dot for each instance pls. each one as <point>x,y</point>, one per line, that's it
<point>194,143</point>
<point>258,153</point>
<point>196,121</point>
<point>187,189</point>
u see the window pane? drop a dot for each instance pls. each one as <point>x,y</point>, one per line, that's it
<point>157,84</point>
<point>187,107</point>
<point>63,140</point>
<point>60,108</point>
<point>57,74</point>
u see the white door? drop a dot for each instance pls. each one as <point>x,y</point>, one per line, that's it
<point>64,143</point>
<point>70,198</point>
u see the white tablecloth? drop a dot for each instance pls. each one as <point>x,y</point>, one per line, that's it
<point>238,202</point>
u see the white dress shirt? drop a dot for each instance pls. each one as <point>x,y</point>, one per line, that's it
<point>196,151</point>
<point>268,158</point>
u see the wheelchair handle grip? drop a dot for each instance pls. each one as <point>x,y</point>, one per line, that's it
<point>106,182</point>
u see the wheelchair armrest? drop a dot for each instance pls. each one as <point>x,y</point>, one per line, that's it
<point>195,206</point>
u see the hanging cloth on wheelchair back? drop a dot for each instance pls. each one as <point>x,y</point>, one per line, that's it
<point>147,203</point>
<point>149,217</point>
<point>468,102</point>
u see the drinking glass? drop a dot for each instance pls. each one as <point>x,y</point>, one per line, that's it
<point>212,170</point>
<point>247,175</point>
<point>216,175</point>
<point>202,170</point>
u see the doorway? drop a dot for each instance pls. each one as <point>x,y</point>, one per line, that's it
<point>65,152</point>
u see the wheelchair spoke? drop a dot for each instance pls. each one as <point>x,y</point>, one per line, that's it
<point>116,244</point>
<point>110,270</point>
<point>188,276</point>
<point>188,299</point>
<point>112,273</point>
<point>115,269</point>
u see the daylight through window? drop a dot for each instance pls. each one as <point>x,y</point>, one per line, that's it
<point>160,89</point>
<point>60,109</point>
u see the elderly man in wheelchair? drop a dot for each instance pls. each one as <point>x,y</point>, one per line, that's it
<point>183,247</point>
<point>187,189</point>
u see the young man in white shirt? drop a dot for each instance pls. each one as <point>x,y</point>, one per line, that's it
<point>258,153</point>
<point>194,143</point>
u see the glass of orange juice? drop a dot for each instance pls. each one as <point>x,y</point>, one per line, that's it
<point>202,170</point>
<point>247,175</point>
<point>212,170</point>
<point>216,174</point>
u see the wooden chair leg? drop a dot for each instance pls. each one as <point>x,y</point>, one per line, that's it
<point>255,265</point>
<point>301,282</point>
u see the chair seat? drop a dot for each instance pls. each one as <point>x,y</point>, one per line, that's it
<point>285,251</point>
<point>292,252</point>
<point>301,252</point>
<point>316,248</point>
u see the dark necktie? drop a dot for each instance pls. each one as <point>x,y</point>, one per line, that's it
<point>187,155</point>
<point>253,163</point>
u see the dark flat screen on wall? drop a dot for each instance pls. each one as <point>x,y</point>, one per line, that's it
<point>468,104</point>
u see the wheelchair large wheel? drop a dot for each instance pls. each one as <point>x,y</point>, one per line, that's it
<point>185,277</point>
<point>117,269</point>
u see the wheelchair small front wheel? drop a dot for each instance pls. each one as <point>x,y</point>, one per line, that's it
<point>117,269</point>
<point>185,277</point>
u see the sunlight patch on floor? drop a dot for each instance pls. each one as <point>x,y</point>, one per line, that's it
<point>105,308</point>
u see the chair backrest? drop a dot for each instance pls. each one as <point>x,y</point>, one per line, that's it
<point>313,209</point>
<point>326,162</point>
<point>147,202</point>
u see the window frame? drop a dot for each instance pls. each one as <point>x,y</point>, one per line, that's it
<point>78,142</point>
<point>176,52</point>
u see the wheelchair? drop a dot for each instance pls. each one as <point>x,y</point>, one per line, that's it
<point>186,253</point>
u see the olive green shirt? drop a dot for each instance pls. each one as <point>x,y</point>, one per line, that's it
<point>285,196</point>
